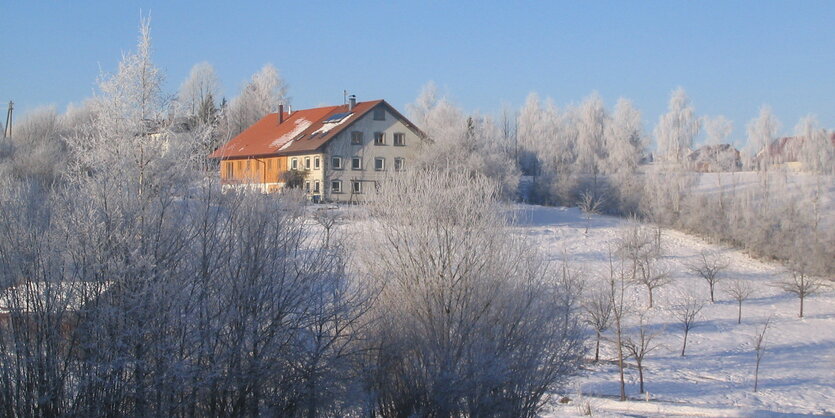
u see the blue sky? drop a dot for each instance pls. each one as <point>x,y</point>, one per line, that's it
<point>730,56</point>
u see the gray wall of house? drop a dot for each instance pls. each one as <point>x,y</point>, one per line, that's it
<point>370,173</point>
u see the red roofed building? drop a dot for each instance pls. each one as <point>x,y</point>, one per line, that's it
<point>336,153</point>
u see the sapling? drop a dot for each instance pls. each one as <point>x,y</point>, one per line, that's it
<point>740,290</point>
<point>709,266</point>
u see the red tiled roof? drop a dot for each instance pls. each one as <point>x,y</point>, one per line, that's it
<point>302,131</point>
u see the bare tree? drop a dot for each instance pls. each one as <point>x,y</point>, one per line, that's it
<point>802,285</point>
<point>709,265</point>
<point>642,247</point>
<point>590,204</point>
<point>328,219</point>
<point>598,307</point>
<point>618,281</point>
<point>687,312</point>
<point>759,350</point>
<point>639,345</point>
<point>740,290</point>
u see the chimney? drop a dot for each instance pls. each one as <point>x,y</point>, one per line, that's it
<point>352,101</point>
<point>280,114</point>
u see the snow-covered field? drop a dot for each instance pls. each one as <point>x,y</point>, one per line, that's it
<point>716,377</point>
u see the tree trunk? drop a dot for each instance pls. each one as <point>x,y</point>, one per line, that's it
<point>597,348</point>
<point>711,294</point>
<point>739,316</point>
<point>683,346</point>
<point>756,374</point>
<point>801,306</point>
<point>650,296</point>
<point>641,376</point>
<point>620,365</point>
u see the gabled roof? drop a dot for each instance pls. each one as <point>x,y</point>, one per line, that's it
<point>302,131</point>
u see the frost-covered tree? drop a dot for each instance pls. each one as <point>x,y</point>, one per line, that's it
<point>762,131</point>
<point>718,129</point>
<point>199,91</point>
<point>591,140</point>
<point>259,97</point>
<point>468,319</point>
<point>625,144</point>
<point>531,130</point>
<point>677,128</point>
<point>598,308</point>
<point>817,151</point>
<point>457,142</point>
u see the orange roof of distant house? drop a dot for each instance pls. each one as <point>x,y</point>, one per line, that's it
<point>302,131</point>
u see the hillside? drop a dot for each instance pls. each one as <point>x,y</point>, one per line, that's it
<point>715,378</point>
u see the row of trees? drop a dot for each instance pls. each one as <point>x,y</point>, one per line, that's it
<point>586,155</point>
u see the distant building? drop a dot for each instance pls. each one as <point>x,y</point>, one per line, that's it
<point>334,153</point>
<point>715,158</point>
<point>786,150</point>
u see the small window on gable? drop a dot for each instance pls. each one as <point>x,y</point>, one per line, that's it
<point>399,164</point>
<point>336,186</point>
<point>356,163</point>
<point>294,163</point>
<point>316,163</point>
<point>399,139</point>
<point>356,186</point>
<point>379,138</point>
<point>307,163</point>
<point>356,137</point>
<point>379,164</point>
<point>336,163</point>
<point>379,114</point>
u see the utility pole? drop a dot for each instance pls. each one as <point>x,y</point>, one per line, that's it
<point>7,133</point>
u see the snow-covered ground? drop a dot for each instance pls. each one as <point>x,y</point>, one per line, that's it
<point>716,377</point>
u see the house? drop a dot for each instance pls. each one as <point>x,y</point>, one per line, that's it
<point>715,158</point>
<point>334,153</point>
<point>785,150</point>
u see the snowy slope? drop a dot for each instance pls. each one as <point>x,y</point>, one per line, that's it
<point>715,378</point>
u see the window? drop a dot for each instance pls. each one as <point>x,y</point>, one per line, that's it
<point>248,165</point>
<point>356,186</point>
<point>400,139</point>
<point>379,164</point>
<point>336,186</point>
<point>379,114</point>
<point>294,164</point>
<point>316,186</point>
<point>379,138</point>
<point>316,163</point>
<point>269,164</point>
<point>230,170</point>
<point>356,163</point>
<point>399,164</point>
<point>356,138</point>
<point>307,187</point>
<point>307,163</point>
<point>240,166</point>
<point>336,163</point>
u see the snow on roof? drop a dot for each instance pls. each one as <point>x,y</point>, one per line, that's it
<point>300,125</point>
